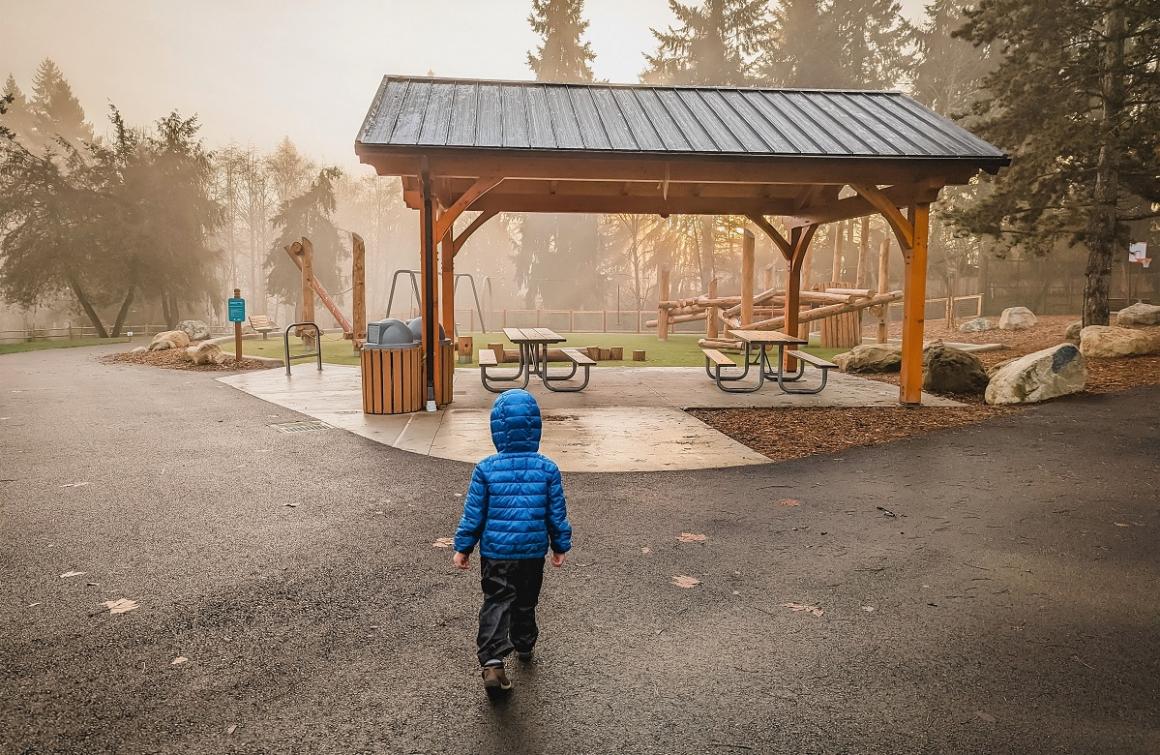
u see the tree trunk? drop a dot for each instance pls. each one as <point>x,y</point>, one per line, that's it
<point>94,318</point>
<point>124,311</point>
<point>1104,224</point>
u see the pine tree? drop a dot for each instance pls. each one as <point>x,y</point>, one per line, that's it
<point>56,113</point>
<point>873,40</point>
<point>308,214</point>
<point>801,52</point>
<point>17,116</point>
<point>716,43</point>
<point>562,55</point>
<point>1075,97</point>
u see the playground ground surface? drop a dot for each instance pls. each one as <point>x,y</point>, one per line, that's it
<point>988,588</point>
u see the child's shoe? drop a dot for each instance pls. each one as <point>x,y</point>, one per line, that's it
<point>525,656</point>
<point>495,681</point>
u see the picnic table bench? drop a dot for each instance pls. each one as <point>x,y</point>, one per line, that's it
<point>533,344</point>
<point>757,343</point>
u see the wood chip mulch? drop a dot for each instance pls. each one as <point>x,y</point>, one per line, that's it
<point>174,359</point>
<point>783,434</point>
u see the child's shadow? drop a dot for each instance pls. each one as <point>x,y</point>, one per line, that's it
<point>508,715</point>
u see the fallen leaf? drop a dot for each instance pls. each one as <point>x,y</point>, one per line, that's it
<point>290,505</point>
<point>789,502</point>
<point>735,592</point>
<point>75,485</point>
<point>178,660</point>
<point>232,729</point>
<point>443,542</point>
<point>868,609</point>
<point>691,537</point>
<point>684,581</point>
<point>886,512</point>
<point>68,574</point>
<point>1121,524</point>
<point>121,605</point>
<point>800,607</point>
<point>33,605</point>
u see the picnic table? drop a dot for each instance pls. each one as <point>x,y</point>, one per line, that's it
<point>534,344</point>
<point>757,344</point>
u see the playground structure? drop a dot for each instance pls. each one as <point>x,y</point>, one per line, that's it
<point>354,328</point>
<point>414,276</point>
<point>838,310</point>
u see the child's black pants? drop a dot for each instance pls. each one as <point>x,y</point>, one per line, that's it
<point>507,620</point>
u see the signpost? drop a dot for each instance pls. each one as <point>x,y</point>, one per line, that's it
<point>237,313</point>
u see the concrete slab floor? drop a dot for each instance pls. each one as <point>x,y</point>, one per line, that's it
<point>628,420</point>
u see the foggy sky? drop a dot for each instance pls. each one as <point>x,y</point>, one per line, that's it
<point>256,70</point>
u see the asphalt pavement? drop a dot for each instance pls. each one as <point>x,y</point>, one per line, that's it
<point>985,589</point>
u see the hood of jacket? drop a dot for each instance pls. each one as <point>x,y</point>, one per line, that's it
<point>515,422</point>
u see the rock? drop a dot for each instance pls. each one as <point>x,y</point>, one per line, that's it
<point>139,350</point>
<point>169,339</point>
<point>949,370</point>
<point>870,357</point>
<point>1137,315</point>
<point>205,353</point>
<point>1053,372</point>
<point>1104,341</point>
<point>1072,334</point>
<point>977,325</point>
<point>1017,318</point>
<point>197,330</point>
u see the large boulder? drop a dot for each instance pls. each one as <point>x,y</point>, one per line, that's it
<point>949,370</point>
<point>169,339</point>
<point>976,325</point>
<point>1053,372</point>
<point>1073,330</point>
<point>1017,318</point>
<point>1104,341</point>
<point>206,352</point>
<point>197,330</point>
<point>1138,315</point>
<point>870,357</point>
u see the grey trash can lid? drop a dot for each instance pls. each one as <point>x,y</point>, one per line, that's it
<point>389,334</point>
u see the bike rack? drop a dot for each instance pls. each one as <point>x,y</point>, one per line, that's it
<point>317,340</point>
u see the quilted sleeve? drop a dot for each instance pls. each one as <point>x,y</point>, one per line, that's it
<point>559,528</point>
<point>474,513</point>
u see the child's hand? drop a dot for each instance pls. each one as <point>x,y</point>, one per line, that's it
<point>557,559</point>
<point>460,560</point>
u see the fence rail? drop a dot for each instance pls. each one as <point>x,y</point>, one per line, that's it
<point>88,331</point>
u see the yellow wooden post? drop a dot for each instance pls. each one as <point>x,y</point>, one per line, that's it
<point>662,313</point>
<point>913,309</point>
<point>447,283</point>
<point>711,331</point>
<point>883,283</point>
<point>307,334</point>
<point>747,255</point>
<point>358,291</point>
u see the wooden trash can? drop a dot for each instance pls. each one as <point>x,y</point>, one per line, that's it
<point>392,380</point>
<point>842,331</point>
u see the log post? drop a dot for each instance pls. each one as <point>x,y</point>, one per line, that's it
<point>863,252</point>
<point>711,312</point>
<point>358,291</point>
<point>429,294</point>
<point>801,238</point>
<point>748,243</point>
<point>767,277</point>
<point>662,313</point>
<point>913,309</point>
<point>835,274</point>
<point>883,282</point>
<point>447,283</point>
<point>306,334</point>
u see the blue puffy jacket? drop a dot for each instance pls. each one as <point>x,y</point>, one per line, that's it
<point>515,505</point>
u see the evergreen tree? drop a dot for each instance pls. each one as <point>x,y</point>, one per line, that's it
<point>289,170</point>
<point>17,116</point>
<point>309,214</point>
<point>801,52</point>
<point>716,43</point>
<point>873,41</point>
<point>56,113</point>
<point>1075,97</point>
<point>562,54</point>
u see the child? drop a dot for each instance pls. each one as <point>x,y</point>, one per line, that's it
<point>515,509</point>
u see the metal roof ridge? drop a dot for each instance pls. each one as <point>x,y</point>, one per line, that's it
<point>626,85</point>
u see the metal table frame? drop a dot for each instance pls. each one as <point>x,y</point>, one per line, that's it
<point>757,355</point>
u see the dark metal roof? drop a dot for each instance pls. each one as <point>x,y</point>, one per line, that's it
<point>409,112</point>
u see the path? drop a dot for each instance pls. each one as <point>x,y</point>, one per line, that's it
<point>1012,613</point>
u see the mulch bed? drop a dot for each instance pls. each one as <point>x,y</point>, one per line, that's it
<point>783,434</point>
<point>174,359</point>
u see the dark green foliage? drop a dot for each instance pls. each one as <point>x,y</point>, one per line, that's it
<point>56,114</point>
<point>802,52</point>
<point>562,55</point>
<point>309,214</point>
<point>717,42</point>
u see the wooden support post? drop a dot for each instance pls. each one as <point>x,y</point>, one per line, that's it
<point>801,238</point>
<point>711,312</point>
<point>747,255</point>
<point>913,306</point>
<point>662,313</point>
<point>428,292</point>
<point>767,277</point>
<point>835,274</point>
<point>447,283</point>
<point>358,291</point>
<point>883,283</point>
<point>863,252</point>
<point>805,273</point>
<point>306,334</point>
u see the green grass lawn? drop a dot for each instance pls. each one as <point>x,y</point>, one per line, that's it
<point>56,343</point>
<point>680,350</point>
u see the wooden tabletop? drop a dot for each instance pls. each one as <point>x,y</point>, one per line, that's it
<point>767,336</point>
<point>533,335</point>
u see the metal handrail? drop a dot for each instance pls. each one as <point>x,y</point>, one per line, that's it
<point>317,340</point>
